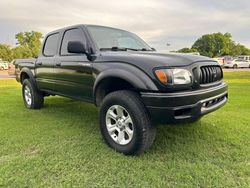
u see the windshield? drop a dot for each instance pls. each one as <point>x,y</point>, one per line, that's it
<point>115,39</point>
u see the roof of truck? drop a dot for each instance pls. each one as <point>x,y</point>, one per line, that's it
<point>80,25</point>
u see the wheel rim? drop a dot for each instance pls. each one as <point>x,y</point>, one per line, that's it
<point>119,124</point>
<point>27,95</point>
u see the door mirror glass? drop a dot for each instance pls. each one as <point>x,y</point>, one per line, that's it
<point>76,47</point>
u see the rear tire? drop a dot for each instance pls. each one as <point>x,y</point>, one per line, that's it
<point>234,66</point>
<point>33,99</point>
<point>125,123</point>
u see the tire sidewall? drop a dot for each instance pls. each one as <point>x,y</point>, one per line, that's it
<point>133,144</point>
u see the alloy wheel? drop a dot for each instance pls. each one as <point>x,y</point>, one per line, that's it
<point>27,95</point>
<point>119,124</point>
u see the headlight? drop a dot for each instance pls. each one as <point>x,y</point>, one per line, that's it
<point>181,76</point>
<point>173,76</point>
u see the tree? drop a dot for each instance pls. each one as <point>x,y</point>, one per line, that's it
<point>216,44</point>
<point>238,49</point>
<point>29,44</point>
<point>30,40</point>
<point>21,52</point>
<point>5,52</point>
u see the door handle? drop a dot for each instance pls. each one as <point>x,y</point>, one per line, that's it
<point>58,64</point>
<point>40,63</point>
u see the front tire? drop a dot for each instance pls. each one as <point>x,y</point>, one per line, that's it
<point>235,66</point>
<point>33,99</point>
<point>125,123</point>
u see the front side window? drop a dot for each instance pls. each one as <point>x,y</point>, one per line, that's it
<point>50,46</point>
<point>110,38</point>
<point>72,35</point>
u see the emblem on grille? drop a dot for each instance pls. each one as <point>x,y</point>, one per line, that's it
<point>214,74</point>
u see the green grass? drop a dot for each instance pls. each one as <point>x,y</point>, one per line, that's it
<point>60,146</point>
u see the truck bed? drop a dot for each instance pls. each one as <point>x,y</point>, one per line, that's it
<point>21,63</point>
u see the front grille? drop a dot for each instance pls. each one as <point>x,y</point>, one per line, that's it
<point>210,74</point>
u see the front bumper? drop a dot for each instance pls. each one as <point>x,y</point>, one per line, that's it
<point>185,106</point>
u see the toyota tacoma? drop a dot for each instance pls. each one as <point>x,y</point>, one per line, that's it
<point>134,86</point>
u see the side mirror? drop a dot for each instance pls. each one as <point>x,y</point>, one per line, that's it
<point>153,49</point>
<point>76,47</point>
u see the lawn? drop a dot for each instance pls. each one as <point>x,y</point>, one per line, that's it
<point>60,146</point>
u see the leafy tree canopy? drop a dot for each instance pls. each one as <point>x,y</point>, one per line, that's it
<point>31,40</point>
<point>217,44</point>
<point>5,52</point>
<point>29,44</point>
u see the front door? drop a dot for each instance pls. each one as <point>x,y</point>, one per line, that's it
<point>73,72</point>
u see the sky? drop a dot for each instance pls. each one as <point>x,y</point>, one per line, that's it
<point>159,22</point>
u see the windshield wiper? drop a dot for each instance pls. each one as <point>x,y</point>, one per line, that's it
<point>116,48</point>
<point>145,49</point>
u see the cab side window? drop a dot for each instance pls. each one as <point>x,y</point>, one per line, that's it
<point>71,35</point>
<point>50,46</point>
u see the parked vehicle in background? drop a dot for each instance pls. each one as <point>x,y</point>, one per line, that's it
<point>244,57</point>
<point>220,60</point>
<point>228,58</point>
<point>132,84</point>
<point>237,63</point>
<point>3,65</point>
<point>11,68</point>
<point>223,60</point>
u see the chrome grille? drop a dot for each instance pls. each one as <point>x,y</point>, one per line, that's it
<point>210,74</point>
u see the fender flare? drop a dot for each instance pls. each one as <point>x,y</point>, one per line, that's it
<point>141,84</point>
<point>27,71</point>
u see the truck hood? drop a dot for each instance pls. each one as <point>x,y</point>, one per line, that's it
<point>151,60</point>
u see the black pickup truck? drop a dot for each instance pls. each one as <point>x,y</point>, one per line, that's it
<point>134,86</point>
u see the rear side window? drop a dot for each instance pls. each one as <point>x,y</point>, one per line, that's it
<point>71,35</point>
<point>50,46</point>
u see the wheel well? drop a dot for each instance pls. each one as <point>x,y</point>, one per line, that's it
<point>109,85</point>
<point>24,76</point>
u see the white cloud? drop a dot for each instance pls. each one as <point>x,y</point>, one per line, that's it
<point>157,21</point>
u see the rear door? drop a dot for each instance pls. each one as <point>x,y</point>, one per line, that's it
<point>73,72</point>
<point>44,68</point>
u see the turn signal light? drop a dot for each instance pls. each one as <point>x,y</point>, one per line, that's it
<point>162,76</point>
